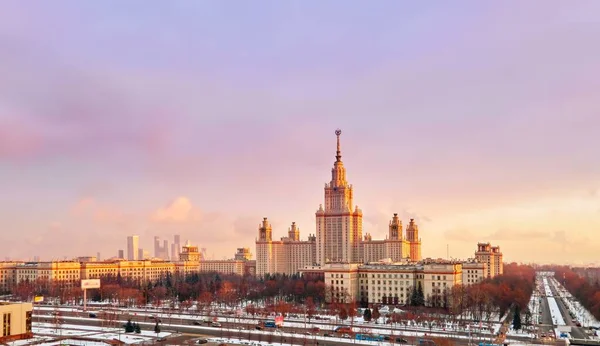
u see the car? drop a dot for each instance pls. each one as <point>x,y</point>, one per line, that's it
<point>196,323</point>
<point>401,341</point>
<point>161,339</point>
<point>92,315</point>
<point>202,341</point>
<point>328,335</point>
<point>258,328</point>
<point>215,324</point>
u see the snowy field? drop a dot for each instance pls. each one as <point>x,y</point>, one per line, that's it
<point>48,332</point>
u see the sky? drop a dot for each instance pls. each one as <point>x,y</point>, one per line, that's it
<point>199,118</point>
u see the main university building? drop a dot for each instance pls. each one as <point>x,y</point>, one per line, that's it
<point>339,234</point>
<point>357,268</point>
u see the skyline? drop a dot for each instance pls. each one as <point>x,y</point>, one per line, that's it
<point>477,120</point>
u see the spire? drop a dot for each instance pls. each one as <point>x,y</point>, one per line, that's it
<point>338,154</point>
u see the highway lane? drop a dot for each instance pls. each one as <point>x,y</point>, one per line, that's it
<point>179,325</point>
<point>576,332</point>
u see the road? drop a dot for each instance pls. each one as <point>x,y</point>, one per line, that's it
<point>241,329</point>
<point>547,326</point>
<point>576,332</point>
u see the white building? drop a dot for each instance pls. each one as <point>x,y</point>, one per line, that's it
<point>285,256</point>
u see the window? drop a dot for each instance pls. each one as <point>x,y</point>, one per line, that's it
<point>6,325</point>
<point>28,322</point>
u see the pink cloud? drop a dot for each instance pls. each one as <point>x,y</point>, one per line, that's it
<point>18,140</point>
<point>179,210</point>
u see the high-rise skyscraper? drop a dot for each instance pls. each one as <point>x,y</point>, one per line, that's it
<point>165,250</point>
<point>176,247</point>
<point>121,254</point>
<point>157,253</point>
<point>339,227</point>
<point>133,242</point>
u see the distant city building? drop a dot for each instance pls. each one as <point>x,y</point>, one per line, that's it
<point>85,259</point>
<point>69,273</point>
<point>16,321</point>
<point>121,254</point>
<point>161,252</point>
<point>338,237</point>
<point>243,254</point>
<point>189,253</point>
<point>492,257</point>
<point>176,247</point>
<point>98,257</point>
<point>241,264</point>
<point>133,245</point>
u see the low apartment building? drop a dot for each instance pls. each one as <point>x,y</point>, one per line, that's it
<point>16,321</point>
<point>474,272</point>
<point>394,283</point>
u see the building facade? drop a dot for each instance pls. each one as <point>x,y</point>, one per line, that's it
<point>16,321</point>
<point>241,264</point>
<point>339,234</point>
<point>394,283</point>
<point>474,272</point>
<point>492,257</point>
<point>285,256</point>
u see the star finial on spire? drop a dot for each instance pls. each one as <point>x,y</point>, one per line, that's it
<point>338,155</point>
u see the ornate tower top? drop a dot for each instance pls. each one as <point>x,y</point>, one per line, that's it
<point>265,231</point>
<point>395,228</point>
<point>294,232</point>
<point>338,154</point>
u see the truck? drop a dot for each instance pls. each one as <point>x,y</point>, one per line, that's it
<point>369,337</point>
<point>343,329</point>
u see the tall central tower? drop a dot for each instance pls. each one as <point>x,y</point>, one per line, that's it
<point>339,228</point>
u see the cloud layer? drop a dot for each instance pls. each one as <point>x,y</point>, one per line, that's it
<point>479,121</point>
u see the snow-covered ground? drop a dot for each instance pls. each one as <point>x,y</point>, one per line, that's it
<point>358,324</point>
<point>48,332</point>
<point>581,314</point>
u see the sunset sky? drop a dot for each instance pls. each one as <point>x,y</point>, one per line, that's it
<point>479,119</point>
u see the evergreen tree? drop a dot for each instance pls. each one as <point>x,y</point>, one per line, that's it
<point>367,315</point>
<point>517,319</point>
<point>156,328</point>
<point>129,327</point>
<point>376,314</point>
<point>527,317</point>
<point>137,328</point>
<point>420,295</point>
<point>413,297</point>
